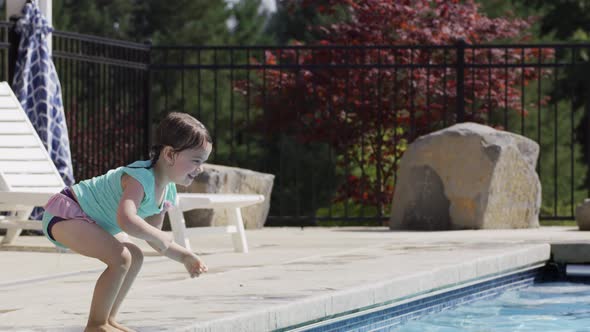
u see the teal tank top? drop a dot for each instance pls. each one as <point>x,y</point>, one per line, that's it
<point>99,197</point>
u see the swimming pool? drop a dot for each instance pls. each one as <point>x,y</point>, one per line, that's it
<point>538,298</point>
<point>394,314</point>
<point>553,306</point>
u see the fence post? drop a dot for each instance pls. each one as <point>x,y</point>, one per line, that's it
<point>14,41</point>
<point>149,140</point>
<point>13,12</point>
<point>587,139</point>
<point>460,80</point>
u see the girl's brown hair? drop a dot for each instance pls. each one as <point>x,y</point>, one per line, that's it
<point>179,131</point>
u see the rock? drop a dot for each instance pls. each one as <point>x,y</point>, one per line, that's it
<point>223,179</point>
<point>467,176</point>
<point>583,215</point>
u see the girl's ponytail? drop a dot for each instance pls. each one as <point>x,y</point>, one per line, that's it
<point>155,154</point>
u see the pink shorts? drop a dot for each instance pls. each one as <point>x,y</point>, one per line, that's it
<point>62,206</point>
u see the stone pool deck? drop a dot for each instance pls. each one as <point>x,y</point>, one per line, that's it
<point>290,276</point>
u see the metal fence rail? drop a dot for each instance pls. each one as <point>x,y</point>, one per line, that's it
<point>261,97</point>
<point>4,49</point>
<point>331,122</point>
<point>105,87</point>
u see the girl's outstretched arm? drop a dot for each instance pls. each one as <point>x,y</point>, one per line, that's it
<point>175,251</point>
<point>133,224</point>
<point>150,230</point>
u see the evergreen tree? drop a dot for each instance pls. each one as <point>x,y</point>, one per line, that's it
<point>206,93</point>
<point>294,21</point>
<point>568,95</point>
<point>163,22</point>
<point>250,24</point>
<point>105,18</point>
<point>569,21</point>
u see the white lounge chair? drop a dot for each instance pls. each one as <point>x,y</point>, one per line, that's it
<point>231,203</point>
<point>28,178</point>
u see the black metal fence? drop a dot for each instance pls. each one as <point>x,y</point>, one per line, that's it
<point>105,92</point>
<point>330,122</point>
<point>105,87</point>
<point>5,48</point>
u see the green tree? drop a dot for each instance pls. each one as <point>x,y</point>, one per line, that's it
<point>111,18</point>
<point>202,92</point>
<point>181,22</point>
<point>294,21</point>
<point>250,24</point>
<point>163,22</point>
<point>564,21</point>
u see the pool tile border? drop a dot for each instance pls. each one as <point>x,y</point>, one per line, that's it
<point>314,311</point>
<point>392,316</point>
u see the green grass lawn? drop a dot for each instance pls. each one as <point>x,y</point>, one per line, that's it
<point>569,222</point>
<point>334,223</point>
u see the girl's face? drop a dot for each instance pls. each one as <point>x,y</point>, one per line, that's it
<point>187,164</point>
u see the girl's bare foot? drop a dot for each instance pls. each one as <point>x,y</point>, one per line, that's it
<point>100,328</point>
<point>120,327</point>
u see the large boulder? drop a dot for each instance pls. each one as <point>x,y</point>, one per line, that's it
<point>467,176</point>
<point>230,180</point>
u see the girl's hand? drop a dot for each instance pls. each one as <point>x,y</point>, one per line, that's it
<point>167,205</point>
<point>194,265</point>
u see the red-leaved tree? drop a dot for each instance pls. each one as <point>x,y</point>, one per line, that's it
<point>368,102</point>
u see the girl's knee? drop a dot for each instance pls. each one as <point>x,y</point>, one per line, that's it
<point>122,259</point>
<point>136,253</point>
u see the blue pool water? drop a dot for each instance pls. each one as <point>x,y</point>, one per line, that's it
<point>543,307</point>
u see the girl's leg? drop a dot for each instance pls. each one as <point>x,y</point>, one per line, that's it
<point>136,262</point>
<point>92,241</point>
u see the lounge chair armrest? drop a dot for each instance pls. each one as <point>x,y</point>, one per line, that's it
<point>189,201</point>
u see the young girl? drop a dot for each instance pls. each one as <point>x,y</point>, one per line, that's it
<point>94,216</point>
